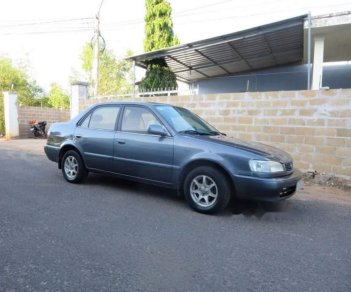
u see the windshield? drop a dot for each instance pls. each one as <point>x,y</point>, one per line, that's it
<point>184,121</point>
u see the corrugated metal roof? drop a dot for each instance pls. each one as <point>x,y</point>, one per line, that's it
<point>261,47</point>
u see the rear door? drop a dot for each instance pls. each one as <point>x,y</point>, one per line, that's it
<point>95,136</point>
<point>140,154</point>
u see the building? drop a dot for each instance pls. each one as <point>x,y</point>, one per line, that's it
<point>299,53</point>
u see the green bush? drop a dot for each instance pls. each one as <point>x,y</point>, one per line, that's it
<point>158,77</point>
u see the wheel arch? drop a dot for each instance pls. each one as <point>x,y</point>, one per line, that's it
<point>203,162</point>
<point>66,148</point>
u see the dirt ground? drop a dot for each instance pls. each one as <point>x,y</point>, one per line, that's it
<point>328,190</point>
<point>312,191</point>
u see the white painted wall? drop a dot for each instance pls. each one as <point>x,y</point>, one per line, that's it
<point>11,115</point>
<point>79,91</point>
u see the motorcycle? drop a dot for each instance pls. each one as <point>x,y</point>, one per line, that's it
<point>38,128</point>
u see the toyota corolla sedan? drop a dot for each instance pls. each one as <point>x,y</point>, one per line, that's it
<point>170,146</point>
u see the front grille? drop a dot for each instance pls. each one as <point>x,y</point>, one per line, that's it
<point>287,191</point>
<point>288,166</point>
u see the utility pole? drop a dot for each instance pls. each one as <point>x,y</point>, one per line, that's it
<point>96,50</point>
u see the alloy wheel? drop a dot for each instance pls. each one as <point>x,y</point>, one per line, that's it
<point>204,191</point>
<point>71,167</point>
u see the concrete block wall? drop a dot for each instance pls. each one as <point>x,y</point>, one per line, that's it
<point>50,115</point>
<point>313,126</point>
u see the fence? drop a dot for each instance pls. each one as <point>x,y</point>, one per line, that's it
<point>149,93</point>
<point>50,115</point>
<point>313,126</point>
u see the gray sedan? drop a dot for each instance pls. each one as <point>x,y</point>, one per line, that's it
<point>170,146</point>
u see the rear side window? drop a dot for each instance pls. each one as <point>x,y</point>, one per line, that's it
<point>103,118</point>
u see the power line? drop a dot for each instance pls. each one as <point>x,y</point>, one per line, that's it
<point>46,22</point>
<point>48,27</point>
<point>183,13</point>
<point>137,21</point>
<point>253,14</point>
<point>71,22</point>
<point>88,20</point>
<point>246,5</point>
<point>47,32</point>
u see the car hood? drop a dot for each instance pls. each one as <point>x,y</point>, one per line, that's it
<point>267,151</point>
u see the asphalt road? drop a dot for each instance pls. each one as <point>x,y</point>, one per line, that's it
<point>107,234</point>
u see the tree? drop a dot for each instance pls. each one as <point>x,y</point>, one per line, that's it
<point>158,26</point>
<point>58,98</point>
<point>16,79</point>
<point>158,35</point>
<point>115,76</point>
<point>33,95</point>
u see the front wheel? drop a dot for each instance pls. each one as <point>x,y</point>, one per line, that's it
<point>73,169</point>
<point>207,190</point>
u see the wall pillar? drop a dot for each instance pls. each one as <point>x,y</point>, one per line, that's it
<point>318,56</point>
<point>11,115</point>
<point>79,91</point>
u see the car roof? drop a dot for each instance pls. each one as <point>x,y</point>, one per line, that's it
<point>131,103</point>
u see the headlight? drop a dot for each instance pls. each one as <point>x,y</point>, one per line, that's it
<point>265,166</point>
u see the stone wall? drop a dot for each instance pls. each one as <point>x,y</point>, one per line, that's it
<point>313,126</point>
<point>50,115</point>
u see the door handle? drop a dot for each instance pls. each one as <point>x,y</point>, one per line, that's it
<point>121,141</point>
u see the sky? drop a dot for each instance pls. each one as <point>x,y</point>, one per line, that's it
<point>48,35</point>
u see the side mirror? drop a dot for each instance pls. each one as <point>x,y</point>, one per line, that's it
<point>156,129</point>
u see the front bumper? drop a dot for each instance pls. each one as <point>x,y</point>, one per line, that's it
<point>267,189</point>
<point>52,152</point>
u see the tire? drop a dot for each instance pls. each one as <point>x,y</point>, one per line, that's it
<point>207,190</point>
<point>73,168</point>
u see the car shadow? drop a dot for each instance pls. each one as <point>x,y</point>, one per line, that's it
<point>132,186</point>
<point>235,207</point>
<point>256,209</point>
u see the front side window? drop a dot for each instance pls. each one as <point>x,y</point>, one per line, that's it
<point>103,118</point>
<point>85,123</point>
<point>137,119</point>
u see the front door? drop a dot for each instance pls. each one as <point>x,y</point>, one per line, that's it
<point>139,154</point>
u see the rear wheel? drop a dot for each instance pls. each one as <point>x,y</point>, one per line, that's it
<point>207,190</point>
<point>73,169</point>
